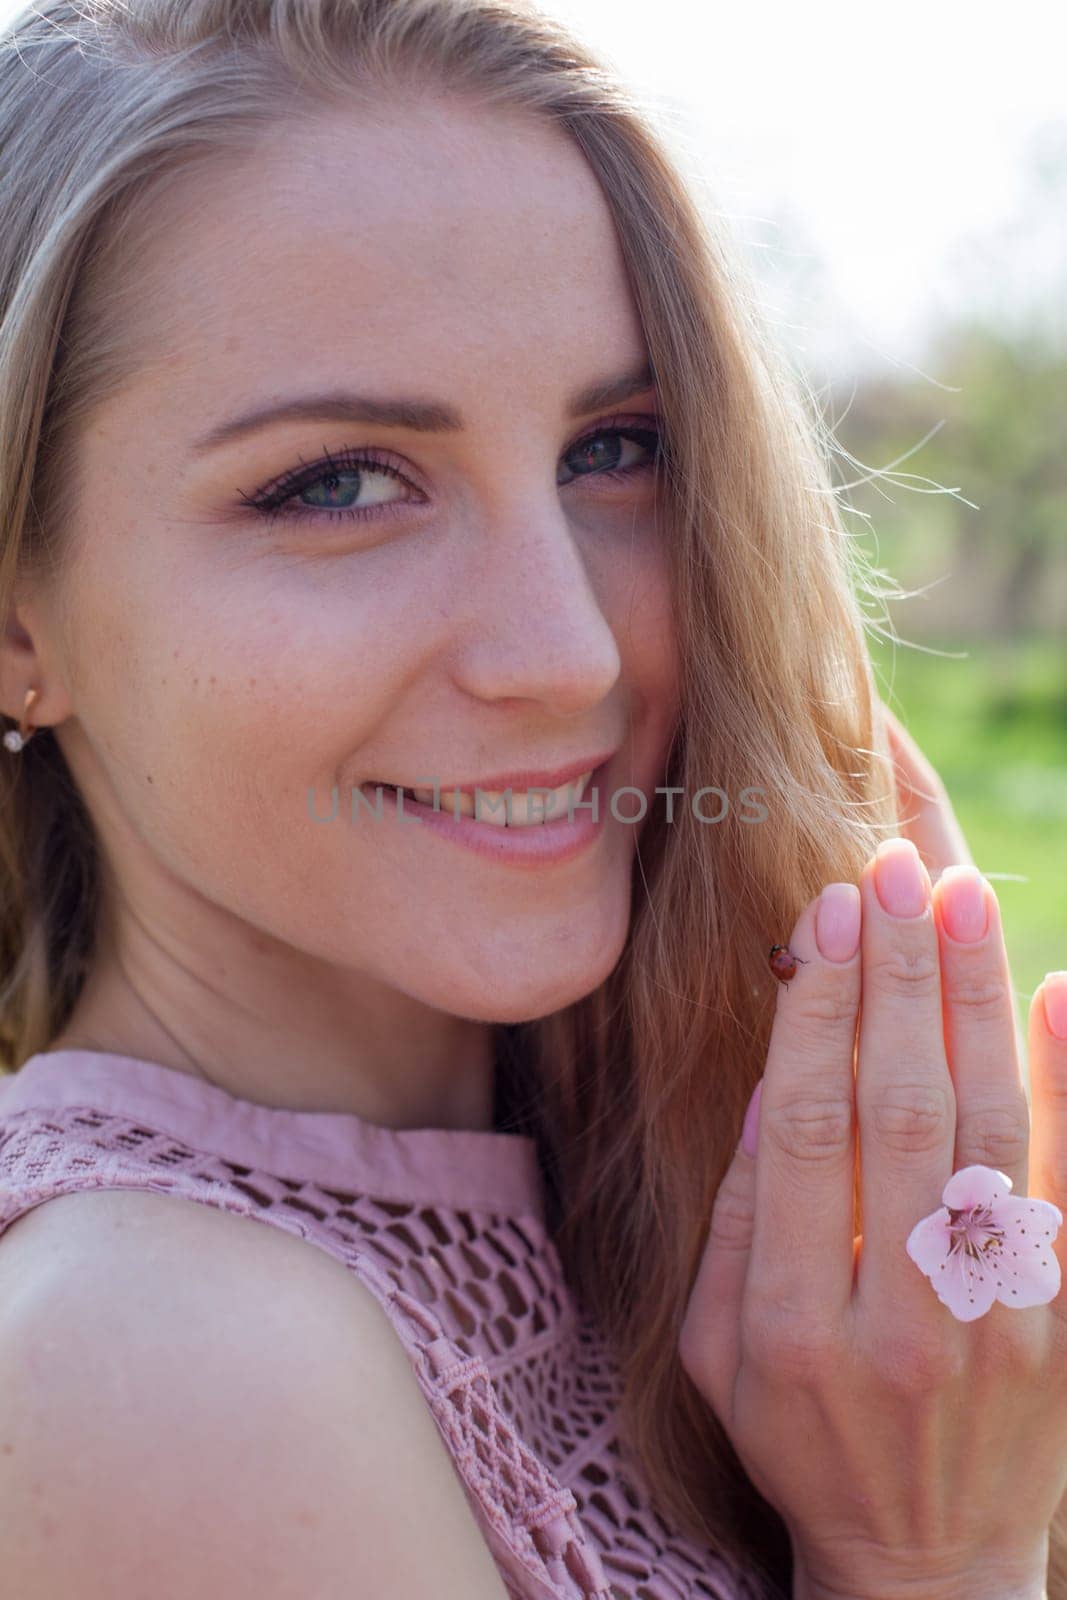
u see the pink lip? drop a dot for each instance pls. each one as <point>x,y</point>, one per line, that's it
<point>526,778</point>
<point>538,846</point>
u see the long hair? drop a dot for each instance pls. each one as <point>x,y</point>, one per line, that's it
<point>635,1093</point>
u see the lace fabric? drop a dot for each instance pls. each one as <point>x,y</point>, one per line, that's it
<point>447,1229</point>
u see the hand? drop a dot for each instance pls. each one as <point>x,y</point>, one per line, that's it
<point>904,1450</point>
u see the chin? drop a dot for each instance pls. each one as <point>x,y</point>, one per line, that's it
<point>524,985</point>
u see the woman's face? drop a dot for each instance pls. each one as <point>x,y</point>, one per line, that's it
<point>477,598</point>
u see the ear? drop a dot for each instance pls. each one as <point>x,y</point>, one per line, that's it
<point>29,659</point>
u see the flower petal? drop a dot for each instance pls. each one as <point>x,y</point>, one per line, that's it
<point>975,1186</point>
<point>1028,1270</point>
<point>929,1241</point>
<point>968,1287</point>
<point>963,1284</point>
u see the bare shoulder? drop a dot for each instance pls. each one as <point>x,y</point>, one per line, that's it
<point>123,1229</point>
<point>195,1401</point>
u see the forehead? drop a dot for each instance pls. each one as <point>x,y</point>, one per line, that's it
<point>461,239</point>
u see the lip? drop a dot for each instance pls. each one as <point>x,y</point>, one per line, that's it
<point>526,778</point>
<point>537,846</point>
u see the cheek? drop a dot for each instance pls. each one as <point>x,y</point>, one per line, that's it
<point>302,675</point>
<point>218,695</point>
<point>638,599</point>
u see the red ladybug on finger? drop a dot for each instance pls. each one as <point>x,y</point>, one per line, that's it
<point>783,963</point>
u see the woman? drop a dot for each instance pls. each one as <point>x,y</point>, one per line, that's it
<point>379,416</point>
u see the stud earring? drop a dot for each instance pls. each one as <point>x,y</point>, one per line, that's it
<point>15,738</point>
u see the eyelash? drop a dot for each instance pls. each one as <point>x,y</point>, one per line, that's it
<point>270,501</point>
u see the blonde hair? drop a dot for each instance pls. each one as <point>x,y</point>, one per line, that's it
<point>635,1094</point>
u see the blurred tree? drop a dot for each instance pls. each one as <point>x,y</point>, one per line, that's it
<point>1013,275</point>
<point>979,435</point>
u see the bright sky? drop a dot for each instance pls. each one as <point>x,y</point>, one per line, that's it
<point>885,137</point>
<point>890,133</point>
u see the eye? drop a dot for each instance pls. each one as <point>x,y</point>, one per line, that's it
<point>603,454</point>
<point>329,489</point>
<point>334,484</point>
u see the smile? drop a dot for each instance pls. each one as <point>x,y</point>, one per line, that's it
<point>502,808</point>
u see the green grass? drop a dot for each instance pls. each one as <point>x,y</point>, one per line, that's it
<point>995,726</point>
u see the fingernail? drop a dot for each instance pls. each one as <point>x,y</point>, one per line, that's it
<point>1054,990</point>
<point>837,921</point>
<point>899,878</point>
<point>963,903</point>
<point>750,1129</point>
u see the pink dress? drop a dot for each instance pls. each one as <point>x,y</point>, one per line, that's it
<point>446,1228</point>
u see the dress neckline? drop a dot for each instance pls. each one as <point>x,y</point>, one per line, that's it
<point>473,1169</point>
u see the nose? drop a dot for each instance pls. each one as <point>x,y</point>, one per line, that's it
<point>538,629</point>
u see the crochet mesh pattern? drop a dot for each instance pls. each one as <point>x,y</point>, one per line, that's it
<point>521,1387</point>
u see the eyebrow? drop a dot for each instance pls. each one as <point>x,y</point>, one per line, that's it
<point>421,416</point>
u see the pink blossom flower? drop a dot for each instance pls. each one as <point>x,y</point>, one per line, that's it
<point>984,1244</point>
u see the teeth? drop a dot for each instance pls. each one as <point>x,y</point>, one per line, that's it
<point>523,810</point>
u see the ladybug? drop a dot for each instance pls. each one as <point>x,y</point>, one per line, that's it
<point>783,963</point>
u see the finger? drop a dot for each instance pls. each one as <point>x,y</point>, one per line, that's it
<point>710,1341</point>
<point>1047,1049</point>
<point>801,1263</point>
<point>904,1094</point>
<point>978,1013</point>
<point>923,805</point>
<point>927,815</point>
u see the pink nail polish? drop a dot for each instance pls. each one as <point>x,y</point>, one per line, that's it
<point>837,921</point>
<point>963,904</point>
<point>900,878</point>
<point>1054,993</point>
